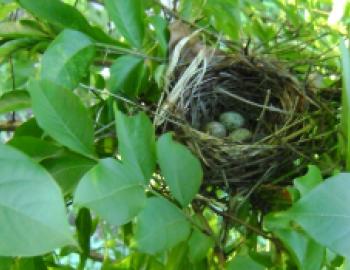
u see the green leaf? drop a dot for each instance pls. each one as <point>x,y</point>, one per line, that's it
<point>67,169</point>
<point>9,47</point>
<point>6,263</point>
<point>128,16</point>
<point>126,75</point>
<point>63,116</point>
<point>6,9</point>
<point>84,228</point>
<point>225,16</point>
<point>162,34</point>
<point>160,226</point>
<point>32,209</point>
<point>112,190</point>
<point>309,181</point>
<point>136,140</point>
<point>199,245</point>
<point>14,101</point>
<point>345,100</point>
<point>35,263</point>
<point>56,12</point>
<point>17,30</point>
<point>177,257</point>
<point>159,75</point>
<point>64,16</point>
<point>190,10</point>
<point>324,213</point>
<point>307,254</point>
<point>243,262</point>
<point>29,128</point>
<point>23,68</point>
<point>35,148</point>
<point>67,59</point>
<point>181,169</point>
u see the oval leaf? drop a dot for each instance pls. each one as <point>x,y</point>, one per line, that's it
<point>113,190</point>
<point>63,116</point>
<point>32,210</point>
<point>84,228</point>
<point>137,145</point>
<point>324,213</point>
<point>129,19</point>
<point>67,59</point>
<point>14,100</point>
<point>160,226</point>
<point>181,169</point>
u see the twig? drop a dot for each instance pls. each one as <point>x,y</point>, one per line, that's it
<point>173,120</point>
<point>243,223</point>
<point>120,50</point>
<point>252,103</point>
<point>95,256</point>
<point>9,126</point>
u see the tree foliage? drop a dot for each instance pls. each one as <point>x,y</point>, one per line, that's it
<point>88,182</point>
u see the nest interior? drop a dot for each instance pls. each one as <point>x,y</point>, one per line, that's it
<point>277,108</point>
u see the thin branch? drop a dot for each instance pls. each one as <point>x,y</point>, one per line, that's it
<point>119,50</point>
<point>252,103</point>
<point>9,126</point>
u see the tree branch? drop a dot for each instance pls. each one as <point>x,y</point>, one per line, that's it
<point>9,126</point>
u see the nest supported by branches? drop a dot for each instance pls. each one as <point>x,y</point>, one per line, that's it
<point>280,112</point>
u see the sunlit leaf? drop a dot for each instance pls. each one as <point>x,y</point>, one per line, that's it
<point>225,16</point>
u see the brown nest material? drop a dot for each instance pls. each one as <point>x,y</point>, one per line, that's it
<point>278,110</point>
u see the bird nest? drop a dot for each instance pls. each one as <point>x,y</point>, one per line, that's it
<point>277,109</point>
